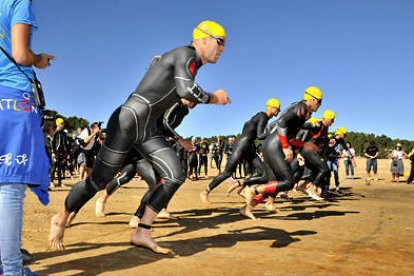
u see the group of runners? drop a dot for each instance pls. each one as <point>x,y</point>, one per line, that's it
<point>140,133</point>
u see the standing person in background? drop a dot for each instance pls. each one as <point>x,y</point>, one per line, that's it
<point>193,160</point>
<point>410,179</point>
<point>397,165</point>
<point>60,151</point>
<point>81,159</point>
<point>203,157</point>
<point>229,151</point>
<point>23,159</point>
<point>348,156</point>
<point>88,140</point>
<point>371,154</point>
<point>182,154</point>
<point>48,133</point>
<point>219,153</point>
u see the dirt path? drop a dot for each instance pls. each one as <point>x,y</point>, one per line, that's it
<point>368,230</point>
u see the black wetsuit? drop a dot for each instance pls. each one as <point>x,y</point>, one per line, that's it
<point>316,167</point>
<point>193,161</point>
<point>203,157</point>
<point>182,154</point>
<point>245,148</point>
<point>283,135</point>
<point>132,125</point>
<point>218,153</point>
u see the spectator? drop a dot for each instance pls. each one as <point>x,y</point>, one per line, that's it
<point>193,160</point>
<point>23,159</point>
<point>88,140</point>
<point>410,179</point>
<point>371,154</point>
<point>397,165</point>
<point>203,156</point>
<point>348,156</point>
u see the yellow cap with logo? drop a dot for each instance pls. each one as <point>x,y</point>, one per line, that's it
<point>312,92</point>
<point>208,28</point>
<point>273,102</point>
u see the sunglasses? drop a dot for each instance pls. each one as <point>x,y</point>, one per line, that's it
<point>319,100</point>
<point>220,41</point>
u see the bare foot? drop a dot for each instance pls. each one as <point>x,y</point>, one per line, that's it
<point>142,238</point>
<point>164,214</point>
<point>204,197</point>
<point>71,217</point>
<point>270,205</point>
<point>100,208</point>
<point>57,230</point>
<point>285,196</point>
<point>133,223</point>
<point>247,212</point>
<point>233,187</point>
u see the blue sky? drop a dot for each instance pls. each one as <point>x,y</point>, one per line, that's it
<point>360,53</point>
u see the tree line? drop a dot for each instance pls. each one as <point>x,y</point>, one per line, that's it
<point>359,140</point>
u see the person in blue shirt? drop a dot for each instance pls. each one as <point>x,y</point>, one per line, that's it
<point>23,160</point>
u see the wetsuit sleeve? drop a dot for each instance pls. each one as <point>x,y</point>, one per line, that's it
<point>261,128</point>
<point>185,69</point>
<point>283,124</point>
<point>173,118</point>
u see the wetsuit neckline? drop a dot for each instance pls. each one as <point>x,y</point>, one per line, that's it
<point>197,59</point>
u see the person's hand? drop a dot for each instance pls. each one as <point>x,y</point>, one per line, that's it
<point>187,145</point>
<point>44,61</point>
<point>288,154</point>
<point>309,146</point>
<point>96,131</point>
<point>220,97</point>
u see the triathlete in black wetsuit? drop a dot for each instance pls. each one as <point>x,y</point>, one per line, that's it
<point>246,149</point>
<point>136,163</point>
<point>170,78</point>
<point>316,167</point>
<point>277,148</point>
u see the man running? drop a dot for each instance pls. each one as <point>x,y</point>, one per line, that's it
<point>169,78</point>
<point>245,147</point>
<point>278,148</point>
<point>136,163</point>
<point>316,170</point>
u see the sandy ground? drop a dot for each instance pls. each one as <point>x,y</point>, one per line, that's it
<point>368,230</point>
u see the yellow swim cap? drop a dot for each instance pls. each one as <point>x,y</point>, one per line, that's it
<point>59,121</point>
<point>329,114</point>
<point>340,131</point>
<point>208,28</point>
<point>273,102</point>
<point>313,120</point>
<point>312,92</point>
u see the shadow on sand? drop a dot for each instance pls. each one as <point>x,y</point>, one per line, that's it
<point>134,257</point>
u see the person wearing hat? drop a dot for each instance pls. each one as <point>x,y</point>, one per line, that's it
<point>23,159</point>
<point>60,151</point>
<point>246,149</point>
<point>169,79</point>
<point>316,171</point>
<point>278,149</point>
<point>397,165</point>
